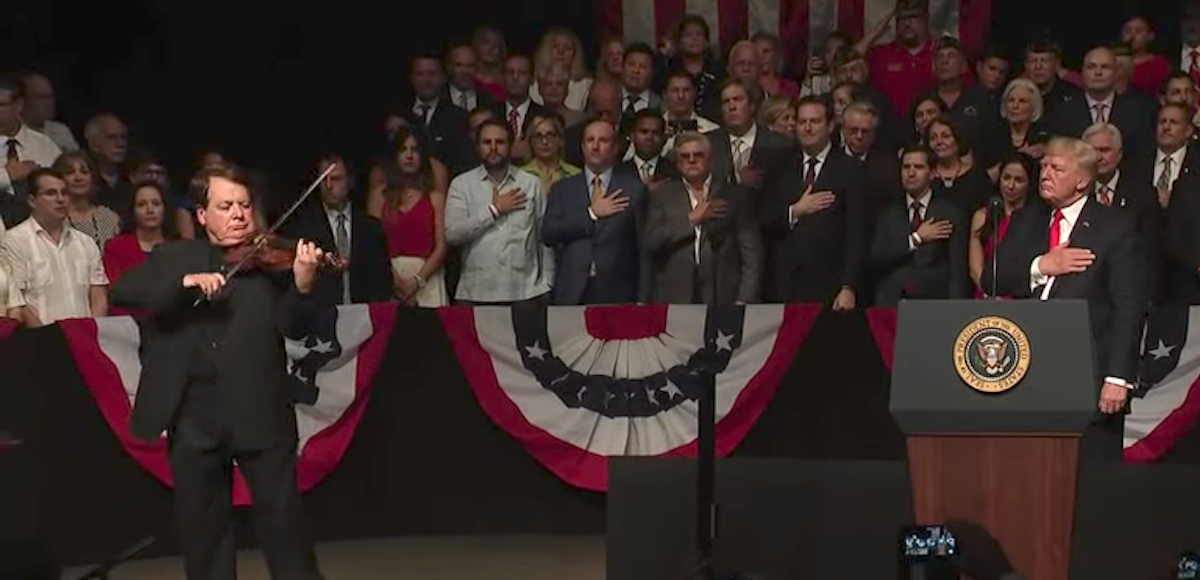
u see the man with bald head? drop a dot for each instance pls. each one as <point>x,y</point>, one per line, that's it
<point>461,66</point>
<point>1075,247</point>
<point>40,109</point>
<point>107,140</point>
<point>1101,103</point>
<point>604,103</point>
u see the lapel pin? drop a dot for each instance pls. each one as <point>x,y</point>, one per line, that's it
<point>1087,224</point>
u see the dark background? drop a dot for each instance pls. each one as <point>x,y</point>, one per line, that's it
<point>274,84</point>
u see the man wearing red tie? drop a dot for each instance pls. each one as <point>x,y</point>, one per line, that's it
<point>1079,248</point>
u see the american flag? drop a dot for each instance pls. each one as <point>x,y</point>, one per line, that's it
<point>803,25</point>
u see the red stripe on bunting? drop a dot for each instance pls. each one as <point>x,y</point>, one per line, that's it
<point>667,14</point>
<point>7,327</point>
<point>733,18</point>
<point>589,471</point>
<point>883,328</point>
<point>609,23</point>
<point>1177,424</point>
<point>850,14</point>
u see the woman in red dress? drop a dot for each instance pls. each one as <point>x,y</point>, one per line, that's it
<point>413,226</point>
<point>1017,174</point>
<point>149,228</point>
<point>1149,69</point>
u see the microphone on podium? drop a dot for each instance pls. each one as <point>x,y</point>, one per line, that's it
<point>995,214</point>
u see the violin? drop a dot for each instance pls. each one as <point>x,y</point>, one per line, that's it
<point>273,253</point>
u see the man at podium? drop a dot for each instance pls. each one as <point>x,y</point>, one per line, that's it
<point>1076,248</point>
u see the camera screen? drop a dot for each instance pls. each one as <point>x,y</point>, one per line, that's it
<point>928,542</point>
<point>1189,566</point>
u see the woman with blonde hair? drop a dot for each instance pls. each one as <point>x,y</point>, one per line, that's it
<point>778,116</point>
<point>546,141</point>
<point>560,46</point>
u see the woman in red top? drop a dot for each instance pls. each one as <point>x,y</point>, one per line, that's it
<point>149,228</point>
<point>1149,69</point>
<point>490,52</point>
<point>1017,174</point>
<point>770,54</point>
<point>413,225</point>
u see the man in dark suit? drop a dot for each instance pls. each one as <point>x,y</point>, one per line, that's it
<point>215,378</point>
<point>336,224</point>
<point>518,109</point>
<point>1182,256</point>
<point>461,66</point>
<point>1128,191</point>
<point>443,124</point>
<point>637,74</point>
<point>743,152</point>
<point>647,163</point>
<point>860,126</point>
<point>594,222</point>
<point>698,228</point>
<point>816,217</point>
<point>920,245</point>
<point>1101,103</point>
<point>1081,249</point>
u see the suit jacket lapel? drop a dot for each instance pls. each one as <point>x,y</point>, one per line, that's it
<point>1082,236</point>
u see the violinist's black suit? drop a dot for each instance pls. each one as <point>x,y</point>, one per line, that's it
<point>214,377</point>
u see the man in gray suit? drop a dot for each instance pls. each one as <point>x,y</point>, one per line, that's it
<point>698,228</point>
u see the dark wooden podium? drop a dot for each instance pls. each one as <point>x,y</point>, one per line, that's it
<point>1003,453</point>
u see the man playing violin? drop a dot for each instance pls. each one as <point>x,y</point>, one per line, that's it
<point>215,379</point>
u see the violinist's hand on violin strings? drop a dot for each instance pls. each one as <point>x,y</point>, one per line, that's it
<point>208,283</point>
<point>305,266</point>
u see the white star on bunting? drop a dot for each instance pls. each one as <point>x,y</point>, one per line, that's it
<point>1163,351</point>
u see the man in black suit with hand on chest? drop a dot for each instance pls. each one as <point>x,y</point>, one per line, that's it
<point>215,378</point>
<point>1082,249</point>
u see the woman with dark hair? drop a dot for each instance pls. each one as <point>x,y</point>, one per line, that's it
<point>924,112</point>
<point>149,227</point>
<point>956,175</point>
<point>150,169</point>
<point>95,221</point>
<point>413,225</point>
<point>1018,173</point>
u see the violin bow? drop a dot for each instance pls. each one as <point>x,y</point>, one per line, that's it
<point>262,238</point>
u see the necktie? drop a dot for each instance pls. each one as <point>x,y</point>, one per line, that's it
<point>1055,229</point>
<point>423,111</point>
<point>1194,67</point>
<point>630,109</point>
<point>514,122</point>
<point>647,171</point>
<point>12,150</point>
<point>810,174</point>
<point>1164,179</point>
<point>1100,109</point>
<point>739,159</point>
<point>462,101</point>
<point>914,221</point>
<point>597,193</point>
<point>341,238</point>
<point>1105,196</point>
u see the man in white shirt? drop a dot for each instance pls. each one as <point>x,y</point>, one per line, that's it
<point>1172,157</point>
<point>25,150</point>
<point>494,212</point>
<point>40,109</point>
<point>679,97</point>
<point>55,269</point>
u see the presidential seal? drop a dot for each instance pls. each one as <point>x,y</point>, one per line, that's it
<point>991,354</point>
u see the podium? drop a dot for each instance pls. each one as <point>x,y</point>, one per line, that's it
<point>993,397</point>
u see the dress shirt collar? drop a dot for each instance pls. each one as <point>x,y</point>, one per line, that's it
<point>628,98</point>
<point>704,191</point>
<point>1112,182</point>
<point>653,162</point>
<point>821,156</point>
<point>39,230</point>
<point>429,104</point>
<point>1185,60</point>
<point>509,175</point>
<point>923,199</point>
<point>605,177</point>
<point>333,212</point>
<point>456,93</point>
<point>1071,212</point>
<point>1176,157</point>
<point>750,135</point>
<point>1107,101</point>
<point>521,108</point>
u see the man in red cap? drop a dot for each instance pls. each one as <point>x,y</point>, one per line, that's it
<point>903,68</point>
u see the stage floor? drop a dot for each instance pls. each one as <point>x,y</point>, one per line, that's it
<point>419,558</point>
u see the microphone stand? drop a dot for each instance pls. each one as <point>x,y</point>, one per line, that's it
<point>706,444</point>
<point>996,210</point>
<point>101,571</point>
